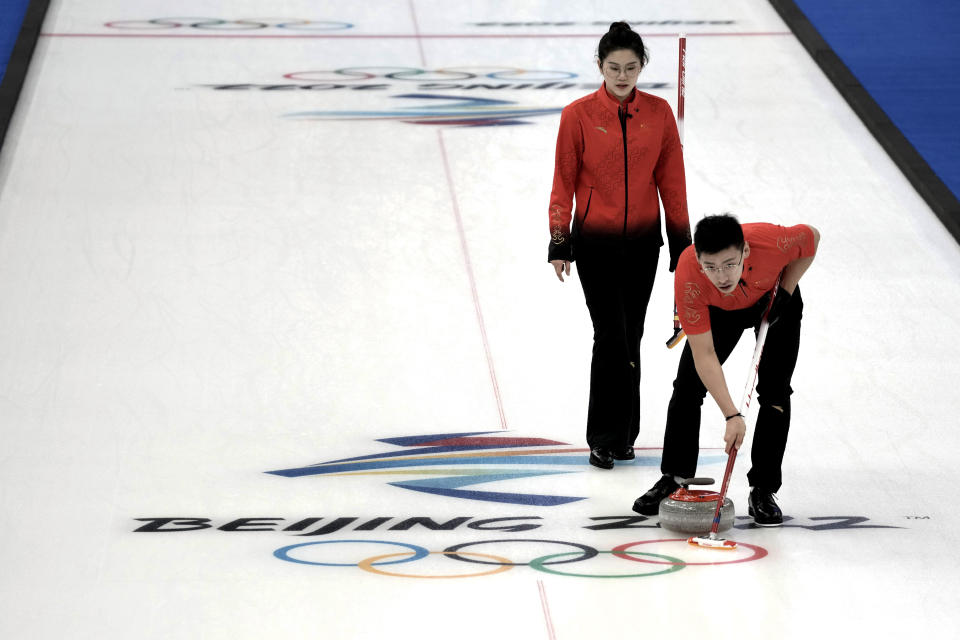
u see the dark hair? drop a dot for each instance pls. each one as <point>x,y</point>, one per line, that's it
<point>716,233</point>
<point>621,36</point>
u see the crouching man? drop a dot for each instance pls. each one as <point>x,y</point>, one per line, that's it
<point>723,284</point>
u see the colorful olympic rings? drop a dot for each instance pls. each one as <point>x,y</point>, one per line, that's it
<point>219,24</point>
<point>543,563</point>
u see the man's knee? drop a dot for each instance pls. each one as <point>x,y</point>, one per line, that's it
<point>774,395</point>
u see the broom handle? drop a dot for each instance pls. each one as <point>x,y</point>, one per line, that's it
<point>681,106</point>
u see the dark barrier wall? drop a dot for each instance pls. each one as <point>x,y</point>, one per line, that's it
<point>20,22</point>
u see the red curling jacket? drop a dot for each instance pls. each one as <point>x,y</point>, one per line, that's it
<point>614,161</point>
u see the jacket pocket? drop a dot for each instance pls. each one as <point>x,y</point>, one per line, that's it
<point>575,231</point>
<point>586,212</point>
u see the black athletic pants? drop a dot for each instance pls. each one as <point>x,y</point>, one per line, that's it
<point>682,436</point>
<point>617,278</point>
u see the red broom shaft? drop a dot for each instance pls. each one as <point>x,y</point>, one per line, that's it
<point>723,491</point>
<point>681,84</point>
<point>681,99</point>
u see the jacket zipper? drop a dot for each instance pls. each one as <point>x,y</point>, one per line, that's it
<point>622,113</point>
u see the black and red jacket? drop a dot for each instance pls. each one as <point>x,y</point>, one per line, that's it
<point>614,159</point>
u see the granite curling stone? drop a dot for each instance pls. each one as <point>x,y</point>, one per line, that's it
<point>691,511</point>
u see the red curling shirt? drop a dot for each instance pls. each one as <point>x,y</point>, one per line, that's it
<point>772,247</point>
<point>616,191</point>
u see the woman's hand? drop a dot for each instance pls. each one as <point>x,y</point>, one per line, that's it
<point>560,266</point>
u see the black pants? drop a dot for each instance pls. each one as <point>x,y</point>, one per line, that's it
<point>681,439</point>
<point>617,278</point>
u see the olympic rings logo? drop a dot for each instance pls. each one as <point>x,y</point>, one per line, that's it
<point>217,24</point>
<point>452,74</point>
<point>651,564</point>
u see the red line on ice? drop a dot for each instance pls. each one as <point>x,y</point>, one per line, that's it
<point>473,282</point>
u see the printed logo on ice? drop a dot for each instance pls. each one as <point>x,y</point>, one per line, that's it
<point>449,462</point>
<point>439,93</point>
<point>469,78</point>
<point>447,465</point>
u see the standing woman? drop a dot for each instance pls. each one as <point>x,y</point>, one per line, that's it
<point>616,149</point>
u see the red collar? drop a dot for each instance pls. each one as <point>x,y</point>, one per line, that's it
<point>611,101</point>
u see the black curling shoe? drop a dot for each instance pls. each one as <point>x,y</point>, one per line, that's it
<point>626,454</point>
<point>764,509</point>
<point>602,458</point>
<point>649,503</point>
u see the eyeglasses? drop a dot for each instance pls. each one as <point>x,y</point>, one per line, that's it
<point>627,71</point>
<point>724,268</point>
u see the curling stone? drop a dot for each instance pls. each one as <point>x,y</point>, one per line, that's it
<point>691,511</point>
